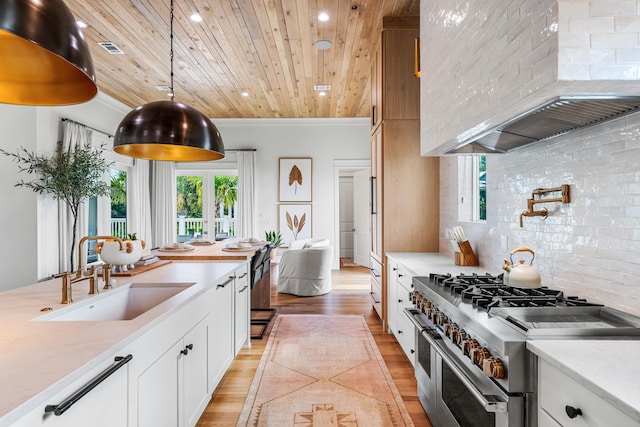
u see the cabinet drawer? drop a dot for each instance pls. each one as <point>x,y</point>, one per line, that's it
<point>557,391</point>
<point>405,279</point>
<point>406,336</point>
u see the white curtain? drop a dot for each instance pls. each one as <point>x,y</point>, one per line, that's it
<point>246,218</point>
<point>139,202</point>
<point>163,203</point>
<point>73,135</point>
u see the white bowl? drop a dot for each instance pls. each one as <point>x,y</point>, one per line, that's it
<point>110,252</point>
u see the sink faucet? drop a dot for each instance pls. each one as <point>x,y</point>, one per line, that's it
<point>69,278</point>
<point>531,212</point>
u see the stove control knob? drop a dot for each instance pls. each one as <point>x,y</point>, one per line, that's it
<point>462,337</point>
<point>493,367</point>
<point>479,354</point>
<point>433,314</point>
<point>443,320</point>
<point>469,345</point>
<point>450,329</point>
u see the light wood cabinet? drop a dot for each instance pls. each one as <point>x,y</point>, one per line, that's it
<point>405,185</point>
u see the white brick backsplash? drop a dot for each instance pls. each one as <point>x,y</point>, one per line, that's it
<point>627,24</point>
<point>588,247</point>
<point>592,25</point>
<point>620,72</point>
<point>604,40</point>
<point>612,8</point>
<point>628,55</point>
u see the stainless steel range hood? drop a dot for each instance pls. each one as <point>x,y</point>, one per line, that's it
<point>558,116</point>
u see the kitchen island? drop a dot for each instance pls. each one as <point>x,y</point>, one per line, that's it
<point>215,252</point>
<point>40,358</point>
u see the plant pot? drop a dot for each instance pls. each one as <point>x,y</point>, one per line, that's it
<point>273,252</point>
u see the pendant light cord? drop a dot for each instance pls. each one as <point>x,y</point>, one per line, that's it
<point>171,49</point>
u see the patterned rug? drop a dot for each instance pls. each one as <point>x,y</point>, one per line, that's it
<point>321,371</point>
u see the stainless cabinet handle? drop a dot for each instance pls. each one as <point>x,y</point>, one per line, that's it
<point>243,289</point>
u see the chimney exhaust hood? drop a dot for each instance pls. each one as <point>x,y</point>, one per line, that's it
<point>560,115</point>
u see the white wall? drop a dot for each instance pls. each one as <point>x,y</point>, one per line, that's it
<point>19,206</point>
<point>324,140</point>
<point>30,221</point>
<point>589,247</point>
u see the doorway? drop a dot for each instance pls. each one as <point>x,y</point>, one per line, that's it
<point>352,219</point>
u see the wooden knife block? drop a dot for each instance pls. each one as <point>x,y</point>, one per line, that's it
<point>466,256</point>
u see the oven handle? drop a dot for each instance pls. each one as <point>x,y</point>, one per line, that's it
<point>489,403</point>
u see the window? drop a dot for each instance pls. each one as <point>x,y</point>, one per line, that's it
<point>472,188</point>
<point>203,199</point>
<point>119,203</point>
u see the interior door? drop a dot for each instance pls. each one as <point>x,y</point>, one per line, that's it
<point>361,218</point>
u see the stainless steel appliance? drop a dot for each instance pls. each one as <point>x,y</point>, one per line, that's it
<point>472,365</point>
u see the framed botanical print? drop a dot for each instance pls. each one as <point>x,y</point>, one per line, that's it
<point>294,180</point>
<point>294,222</point>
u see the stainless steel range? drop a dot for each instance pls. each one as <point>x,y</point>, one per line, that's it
<point>472,365</point>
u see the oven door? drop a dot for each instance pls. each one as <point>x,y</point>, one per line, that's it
<point>464,396</point>
<point>452,391</point>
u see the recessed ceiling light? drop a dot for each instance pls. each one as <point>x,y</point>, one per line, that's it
<point>196,17</point>
<point>81,24</point>
<point>322,93</point>
<point>323,16</point>
<point>323,44</point>
<point>245,93</point>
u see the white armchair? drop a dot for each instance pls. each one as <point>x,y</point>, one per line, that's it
<point>306,271</point>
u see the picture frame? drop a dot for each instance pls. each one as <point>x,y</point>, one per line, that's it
<point>294,179</point>
<point>294,222</point>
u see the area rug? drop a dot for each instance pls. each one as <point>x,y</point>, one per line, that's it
<point>318,371</point>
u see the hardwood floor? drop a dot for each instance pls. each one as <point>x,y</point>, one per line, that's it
<point>350,295</point>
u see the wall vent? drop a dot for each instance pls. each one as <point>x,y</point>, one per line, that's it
<point>111,48</point>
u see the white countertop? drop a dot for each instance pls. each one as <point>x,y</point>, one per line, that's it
<point>425,263</point>
<point>609,368</point>
<point>37,357</point>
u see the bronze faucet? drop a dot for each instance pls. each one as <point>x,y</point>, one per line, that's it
<point>69,278</point>
<point>564,198</point>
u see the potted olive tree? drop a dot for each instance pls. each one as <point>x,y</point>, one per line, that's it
<point>72,175</point>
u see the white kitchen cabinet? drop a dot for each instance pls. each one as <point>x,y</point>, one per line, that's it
<point>221,331</point>
<point>560,398</point>
<point>103,406</point>
<point>242,307</point>
<point>399,289</point>
<point>173,390</point>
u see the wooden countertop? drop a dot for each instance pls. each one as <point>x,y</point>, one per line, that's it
<point>207,253</point>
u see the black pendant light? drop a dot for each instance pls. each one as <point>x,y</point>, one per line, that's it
<point>168,130</point>
<point>44,58</point>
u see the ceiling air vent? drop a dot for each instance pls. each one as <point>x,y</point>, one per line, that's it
<point>322,87</point>
<point>111,48</point>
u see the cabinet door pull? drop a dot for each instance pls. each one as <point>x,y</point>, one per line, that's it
<point>222,285</point>
<point>399,300</point>
<point>186,349</point>
<point>243,289</point>
<point>400,275</point>
<point>61,408</point>
<point>572,412</point>
<point>242,275</point>
<point>412,351</point>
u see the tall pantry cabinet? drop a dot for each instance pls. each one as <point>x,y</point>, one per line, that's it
<point>404,185</point>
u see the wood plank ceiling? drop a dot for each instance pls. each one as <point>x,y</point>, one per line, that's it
<point>261,47</point>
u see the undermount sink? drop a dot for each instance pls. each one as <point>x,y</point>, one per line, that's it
<point>123,303</point>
